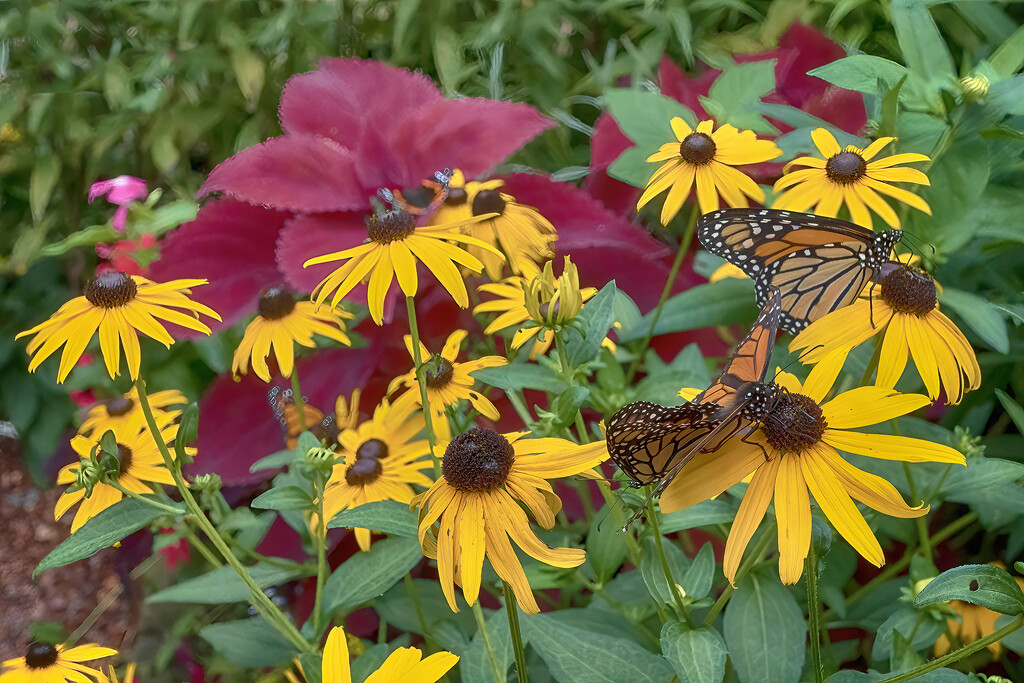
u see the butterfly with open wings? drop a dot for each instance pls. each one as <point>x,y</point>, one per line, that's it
<point>819,264</point>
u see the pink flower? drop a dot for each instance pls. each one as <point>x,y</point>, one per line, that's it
<point>122,190</point>
<point>123,256</point>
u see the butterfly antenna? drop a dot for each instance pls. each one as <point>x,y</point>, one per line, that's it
<point>386,195</point>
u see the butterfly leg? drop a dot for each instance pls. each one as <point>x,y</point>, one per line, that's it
<point>743,438</point>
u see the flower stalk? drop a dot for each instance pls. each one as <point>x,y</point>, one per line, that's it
<point>512,610</point>
<point>814,611</point>
<point>492,658</point>
<point>421,379</point>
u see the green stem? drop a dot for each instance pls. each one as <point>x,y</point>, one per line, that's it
<point>581,429</point>
<point>512,610</point>
<point>684,247</point>
<point>876,355</point>
<point>519,404</point>
<point>320,538</point>
<point>421,379</point>
<point>259,600</point>
<point>169,509</point>
<point>745,566</point>
<point>814,612</point>
<point>198,544</point>
<point>297,397</point>
<point>921,522</point>
<point>481,625</point>
<point>410,588</point>
<point>677,599</point>
<point>957,655</point>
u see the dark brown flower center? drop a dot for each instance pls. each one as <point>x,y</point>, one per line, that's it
<point>116,407</point>
<point>794,424</point>
<point>363,471</point>
<point>440,374</point>
<point>111,290</point>
<point>456,196</point>
<point>391,226</point>
<point>478,460</point>
<point>40,655</point>
<point>908,290</point>
<point>846,168</point>
<point>488,201</point>
<point>275,302</point>
<point>372,449</point>
<point>124,458</point>
<point>697,149</point>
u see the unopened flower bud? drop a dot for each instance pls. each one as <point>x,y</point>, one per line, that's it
<point>207,483</point>
<point>974,88</point>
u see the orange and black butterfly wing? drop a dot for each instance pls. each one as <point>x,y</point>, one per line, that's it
<point>422,200</point>
<point>321,426</point>
<point>819,264</point>
<point>645,439</point>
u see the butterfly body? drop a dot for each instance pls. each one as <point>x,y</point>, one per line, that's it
<point>819,264</point>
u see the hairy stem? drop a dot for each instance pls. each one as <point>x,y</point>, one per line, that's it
<point>421,379</point>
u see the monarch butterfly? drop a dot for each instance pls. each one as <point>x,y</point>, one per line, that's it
<point>819,264</point>
<point>425,199</point>
<point>322,427</point>
<point>652,443</point>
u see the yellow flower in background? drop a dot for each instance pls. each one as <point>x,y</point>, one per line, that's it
<point>127,411</point>
<point>448,381</point>
<point>904,307</point>
<point>404,665</point>
<point>801,438</point>
<point>474,508</point>
<point>848,176</point>
<point>393,247</point>
<point>379,460</point>
<point>727,270</point>
<point>705,157</point>
<point>975,623</point>
<point>546,300</point>
<point>282,321</point>
<point>48,663</point>
<point>520,232</point>
<point>111,677</point>
<point>139,462</point>
<point>117,305</point>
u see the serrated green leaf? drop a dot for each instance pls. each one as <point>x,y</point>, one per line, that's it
<point>223,585</point>
<point>369,574</point>
<point>102,531</point>
<point>765,631</point>
<point>978,584</point>
<point>283,498</point>
<point>697,656</point>
<point>385,516</point>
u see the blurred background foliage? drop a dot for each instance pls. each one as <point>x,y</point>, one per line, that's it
<point>165,91</point>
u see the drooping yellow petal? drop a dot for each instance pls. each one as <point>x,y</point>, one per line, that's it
<point>335,662</point>
<point>709,474</point>
<point>793,510</point>
<point>869,405</point>
<point>825,142</point>
<point>872,490</point>
<point>891,447</point>
<point>472,543</point>
<point>921,352</point>
<point>506,565</point>
<point>752,508</point>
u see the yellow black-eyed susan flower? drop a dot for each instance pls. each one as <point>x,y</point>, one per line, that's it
<point>126,410</point>
<point>281,322</point>
<point>379,459</point>
<point>705,157</point>
<point>139,462</point>
<point>48,663</point>
<point>904,307</point>
<point>117,305</point>
<point>473,510</point>
<point>802,439</point>
<point>406,664</point>
<point>448,381</point>
<point>393,247</point>
<point>849,176</point>
<point>129,675</point>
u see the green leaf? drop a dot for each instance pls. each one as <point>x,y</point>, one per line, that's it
<point>520,376</point>
<point>188,432</point>
<point>575,654</point>
<point>696,656</point>
<point>982,476</point>
<point>305,443</point>
<point>606,546</point>
<point>765,631</point>
<point>632,167</point>
<point>978,584</point>
<point>921,629</point>
<point>283,498</point>
<point>427,613</point>
<point>1009,58</point>
<point>924,51</point>
<point>568,403</point>
<point>654,572</point>
<point>475,664</point>
<point>102,531</point>
<point>312,666</point>
<point>704,513</point>
<point>249,642</point>
<point>1014,641</point>
<point>735,96</point>
<point>698,578</point>
<point>45,174</point>
<point>367,575</point>
<point>595,320</point>
<point>385,516</point>
<point>645,117</point>
<point>723,303</point>
<point>1012,408</point>
<point>664,380</point>
<point>980,316</point>
<point>861,73</point>
<point>223,585</point>
<point>273,461</point>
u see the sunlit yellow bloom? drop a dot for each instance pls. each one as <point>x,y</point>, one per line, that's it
<point>282,321</point>
<point>522,234</point>
<point>139,462</point>
<point>706,157</point>
<point>126,410</point>
<point>848,176</point>
<point>448,381</point>
<point>117,305</point>
<point>404,665</point>
<point>802,437</point>
<point>393,246</point>
<point>904,307</point>
<point>46,663</point>
<point>473,509</point>
<point>379,460</point>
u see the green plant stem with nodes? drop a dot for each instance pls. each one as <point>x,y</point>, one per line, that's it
<point>259,600</point>
<point>814,611</point>
<point>320,539</point>
<point>677,599</point>
<point>512,610</point>
<point>169,509</point>
<point>957,655</point>
<point>421,379</point>
<point>297,397</point>
<point>748,563</point>
<point>492,658</point>
<point>684,246</point>
<point>198,544</point>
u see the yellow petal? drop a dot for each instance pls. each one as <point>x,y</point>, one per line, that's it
<point>898,194</point>
<point>793,510</point>
<point>677,194</point>
<point>906,158</point>
<point>891,447</point>
<point>335,662</point>
<point>472,545</point>
<point>870,489</point>
<point>921,352</point>
<point>752,508</point>
<point>709,474</point>
<point>823,375</point>
<point>869,405</point>
<point>707,196</point>
<point>825,142</point>
<point>875,147</point>
<point>680,129</point>
<point>405,267</point>
<point>506,565</point>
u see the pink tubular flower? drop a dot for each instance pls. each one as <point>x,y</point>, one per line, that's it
<point>122,190</point>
